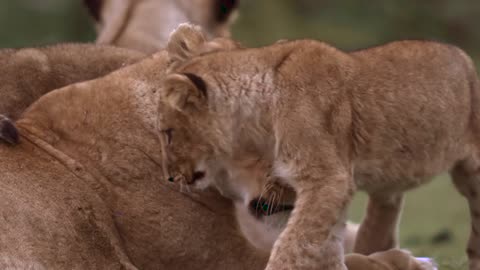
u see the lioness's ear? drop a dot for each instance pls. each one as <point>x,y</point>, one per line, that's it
<point>185,92</point>
<point>185,42</point>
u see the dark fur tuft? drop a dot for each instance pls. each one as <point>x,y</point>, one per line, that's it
<point>198,82</point>
<point>8,131</point>
<point>224,8</point>
<point>95,7</point>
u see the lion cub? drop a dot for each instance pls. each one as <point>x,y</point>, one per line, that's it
<point>383,120</point>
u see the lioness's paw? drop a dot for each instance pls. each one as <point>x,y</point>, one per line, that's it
<point>420,263</point>
<point>389,260</point>
<point>427,263</point>
<point>8,131</point>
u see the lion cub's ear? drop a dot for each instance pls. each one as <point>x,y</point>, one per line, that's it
<point>185,92</point>
<point>185,42</point>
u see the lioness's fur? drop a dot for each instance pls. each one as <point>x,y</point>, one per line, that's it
<point>145,24</point>
<point>27,74</point>
<point>84,189</point>
<point>383,120</point>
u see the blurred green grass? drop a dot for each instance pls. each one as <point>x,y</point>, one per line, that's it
<point>347,24</point>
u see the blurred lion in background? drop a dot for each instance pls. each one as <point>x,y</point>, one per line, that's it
<point>144,25</point>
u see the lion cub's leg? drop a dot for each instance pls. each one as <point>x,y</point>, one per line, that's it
<point>8,131</point>
<point>378,231</point>
<point>466,177</point>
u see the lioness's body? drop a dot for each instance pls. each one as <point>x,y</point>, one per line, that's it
<point>383,120</point>
<point>52,218</point>
<point>27,74</point>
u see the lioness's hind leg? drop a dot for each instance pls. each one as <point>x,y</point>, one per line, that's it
<point>467,180</point>
<point>8,131</point>
<point>378,231</point>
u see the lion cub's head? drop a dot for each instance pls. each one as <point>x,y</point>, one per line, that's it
<point>192,116</point>
<point>193,160</point>
<point>187,97</point>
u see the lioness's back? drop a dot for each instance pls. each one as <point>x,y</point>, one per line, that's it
<point>48,216</point>
<point>27,74</point>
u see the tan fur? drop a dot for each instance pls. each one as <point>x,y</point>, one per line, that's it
<point>74,195</point>
<point>27,74</point>
<point>84,189</point>
<point>144,25</point>
<point>383,120</point>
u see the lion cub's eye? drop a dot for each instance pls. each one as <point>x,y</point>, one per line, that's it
<point>169,134</point>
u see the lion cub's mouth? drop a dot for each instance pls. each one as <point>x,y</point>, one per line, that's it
<point>197,176</point>
<point>260,207</point>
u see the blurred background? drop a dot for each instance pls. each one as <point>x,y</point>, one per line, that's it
<point>435,221</point>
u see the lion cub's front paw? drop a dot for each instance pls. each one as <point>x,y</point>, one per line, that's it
<point>389,260</point>
<point>8,131</point>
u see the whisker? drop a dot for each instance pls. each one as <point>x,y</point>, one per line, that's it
<point>262,193</point>
<point>280,197</point>
<point>272,206</point>
<point>256,206</point>
<point>269,205</point>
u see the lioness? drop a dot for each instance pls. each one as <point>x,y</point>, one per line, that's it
<point>84,189</point>
<point>27,74</point>
<point>383,120</point>
<point>145,24</point>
